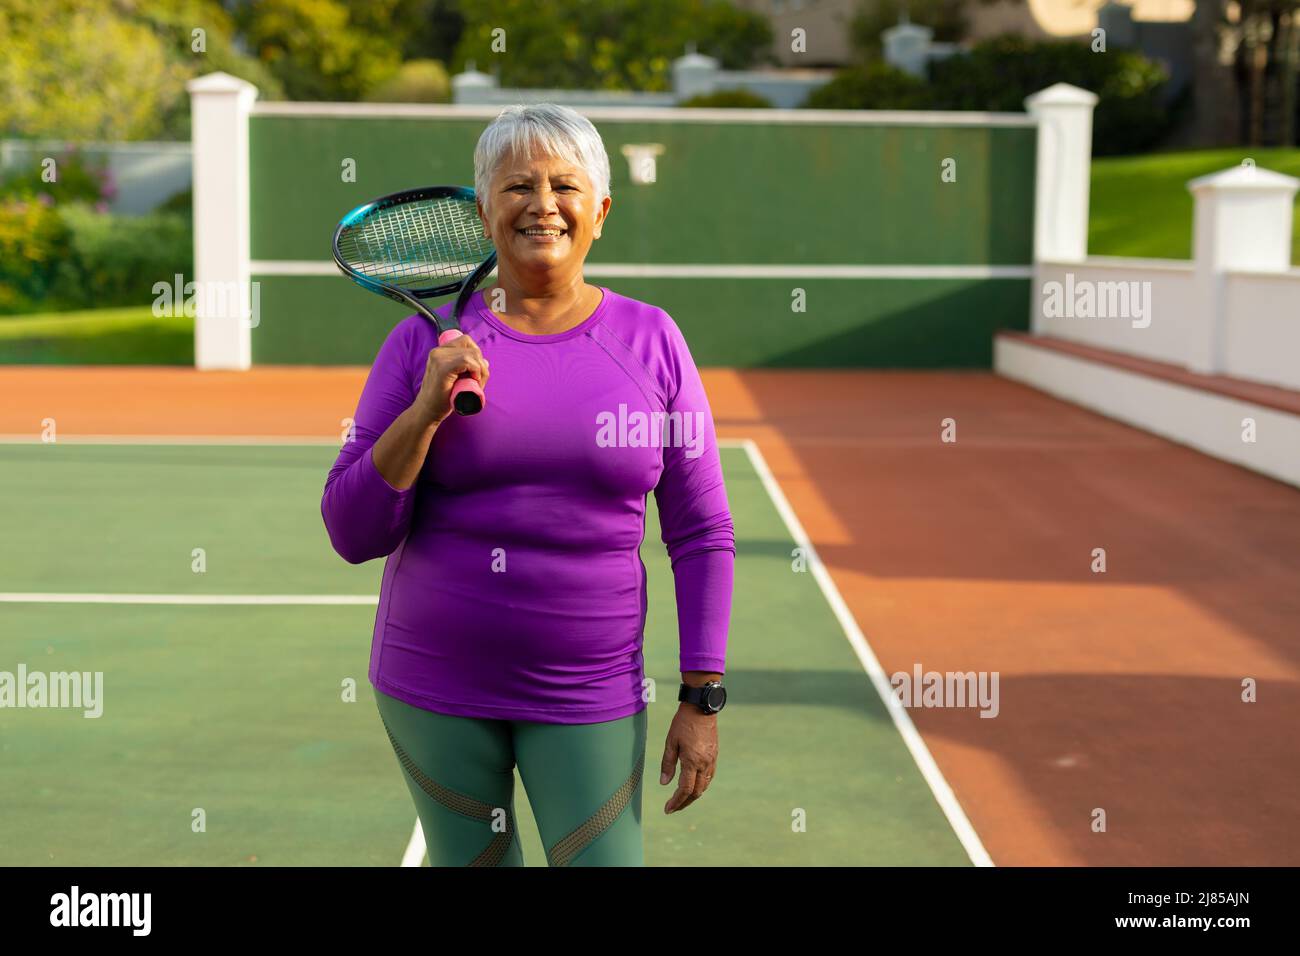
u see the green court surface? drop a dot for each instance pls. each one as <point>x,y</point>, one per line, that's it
<point>238,709</point>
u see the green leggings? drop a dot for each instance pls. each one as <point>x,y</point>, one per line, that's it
<point>583,783</point>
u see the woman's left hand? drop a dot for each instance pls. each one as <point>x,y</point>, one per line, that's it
<point>693,740</point>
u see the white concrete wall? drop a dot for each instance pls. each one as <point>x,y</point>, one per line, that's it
<point>1261,339</point>
<point>1163,289</point>
<point>1232,310</point>
<point>146,174</point>
<point>1250,320</point>
<point>1207,421</point>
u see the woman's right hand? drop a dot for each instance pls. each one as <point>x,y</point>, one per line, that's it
<point>442,368</point>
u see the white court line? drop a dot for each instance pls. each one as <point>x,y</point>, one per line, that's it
<point>898,713</point>
<point>42,597</point>
<point>415,849</point>
<point>217,440</point>
<point>414,855</point>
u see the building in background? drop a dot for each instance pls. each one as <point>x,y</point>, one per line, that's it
<point>826,23</point>
<point>1160,29</point>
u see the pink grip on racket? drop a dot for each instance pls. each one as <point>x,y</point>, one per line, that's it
<point>466,394</point>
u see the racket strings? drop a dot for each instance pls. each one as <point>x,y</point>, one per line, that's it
<point>413,245</point>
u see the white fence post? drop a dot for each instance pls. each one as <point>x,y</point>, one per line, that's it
<point>694,74</point>
<point>219,108</point>
<point>1064,115</point>
<point>1242,223</point>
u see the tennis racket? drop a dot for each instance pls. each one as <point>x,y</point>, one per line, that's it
<point>421,244</point>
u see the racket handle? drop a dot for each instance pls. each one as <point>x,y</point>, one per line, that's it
<point>466,394</point>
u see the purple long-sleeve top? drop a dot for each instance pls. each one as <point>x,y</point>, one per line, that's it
<point>514,587</point>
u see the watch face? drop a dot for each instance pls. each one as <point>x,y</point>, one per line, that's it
<point>715,697</point>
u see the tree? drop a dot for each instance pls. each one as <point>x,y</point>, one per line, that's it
<point>603,44</point>
<point>430,29</point>
<point>1215,117</point>
<point>177,23</point>
<point>322,49</point>
<point>418,81</point>
<point>83,69</point>
<point>997,74</point>
<point>1265,72</point>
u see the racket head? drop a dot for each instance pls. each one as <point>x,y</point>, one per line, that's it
<point>419,244</point>
<point>414,244</point>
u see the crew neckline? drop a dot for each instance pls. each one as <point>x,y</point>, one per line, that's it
<point>495,321</point>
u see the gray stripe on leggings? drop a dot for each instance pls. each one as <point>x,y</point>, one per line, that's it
<point>459,803</point>
<point>569,846</point>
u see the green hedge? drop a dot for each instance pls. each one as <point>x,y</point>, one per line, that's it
<point>999,73</point>
<point>876,86</point>
<point>33,240</point>
<point>115,260</point>
<point>73,256</point>
<point>60,248</point>
<point>728,99</point>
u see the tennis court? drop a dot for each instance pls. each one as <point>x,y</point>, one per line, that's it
<point>213,700</point>
<point>1120,693</point>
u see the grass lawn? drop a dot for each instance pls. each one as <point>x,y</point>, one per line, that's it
<point>125,336</point>
<point>1140,205</point>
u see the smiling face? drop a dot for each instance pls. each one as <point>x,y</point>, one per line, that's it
<point>543,215</point>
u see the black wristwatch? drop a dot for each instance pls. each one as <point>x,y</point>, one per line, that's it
<point>710,697</point>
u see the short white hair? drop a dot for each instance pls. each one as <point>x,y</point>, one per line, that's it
<point>546,128</point>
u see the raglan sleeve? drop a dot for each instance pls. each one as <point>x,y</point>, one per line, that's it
<point>364,515</point>
<point>694,514</point>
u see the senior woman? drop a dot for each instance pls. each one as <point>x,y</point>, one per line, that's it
<point>513,601</point>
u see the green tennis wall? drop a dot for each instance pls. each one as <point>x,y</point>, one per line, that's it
<point>791,194</point>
